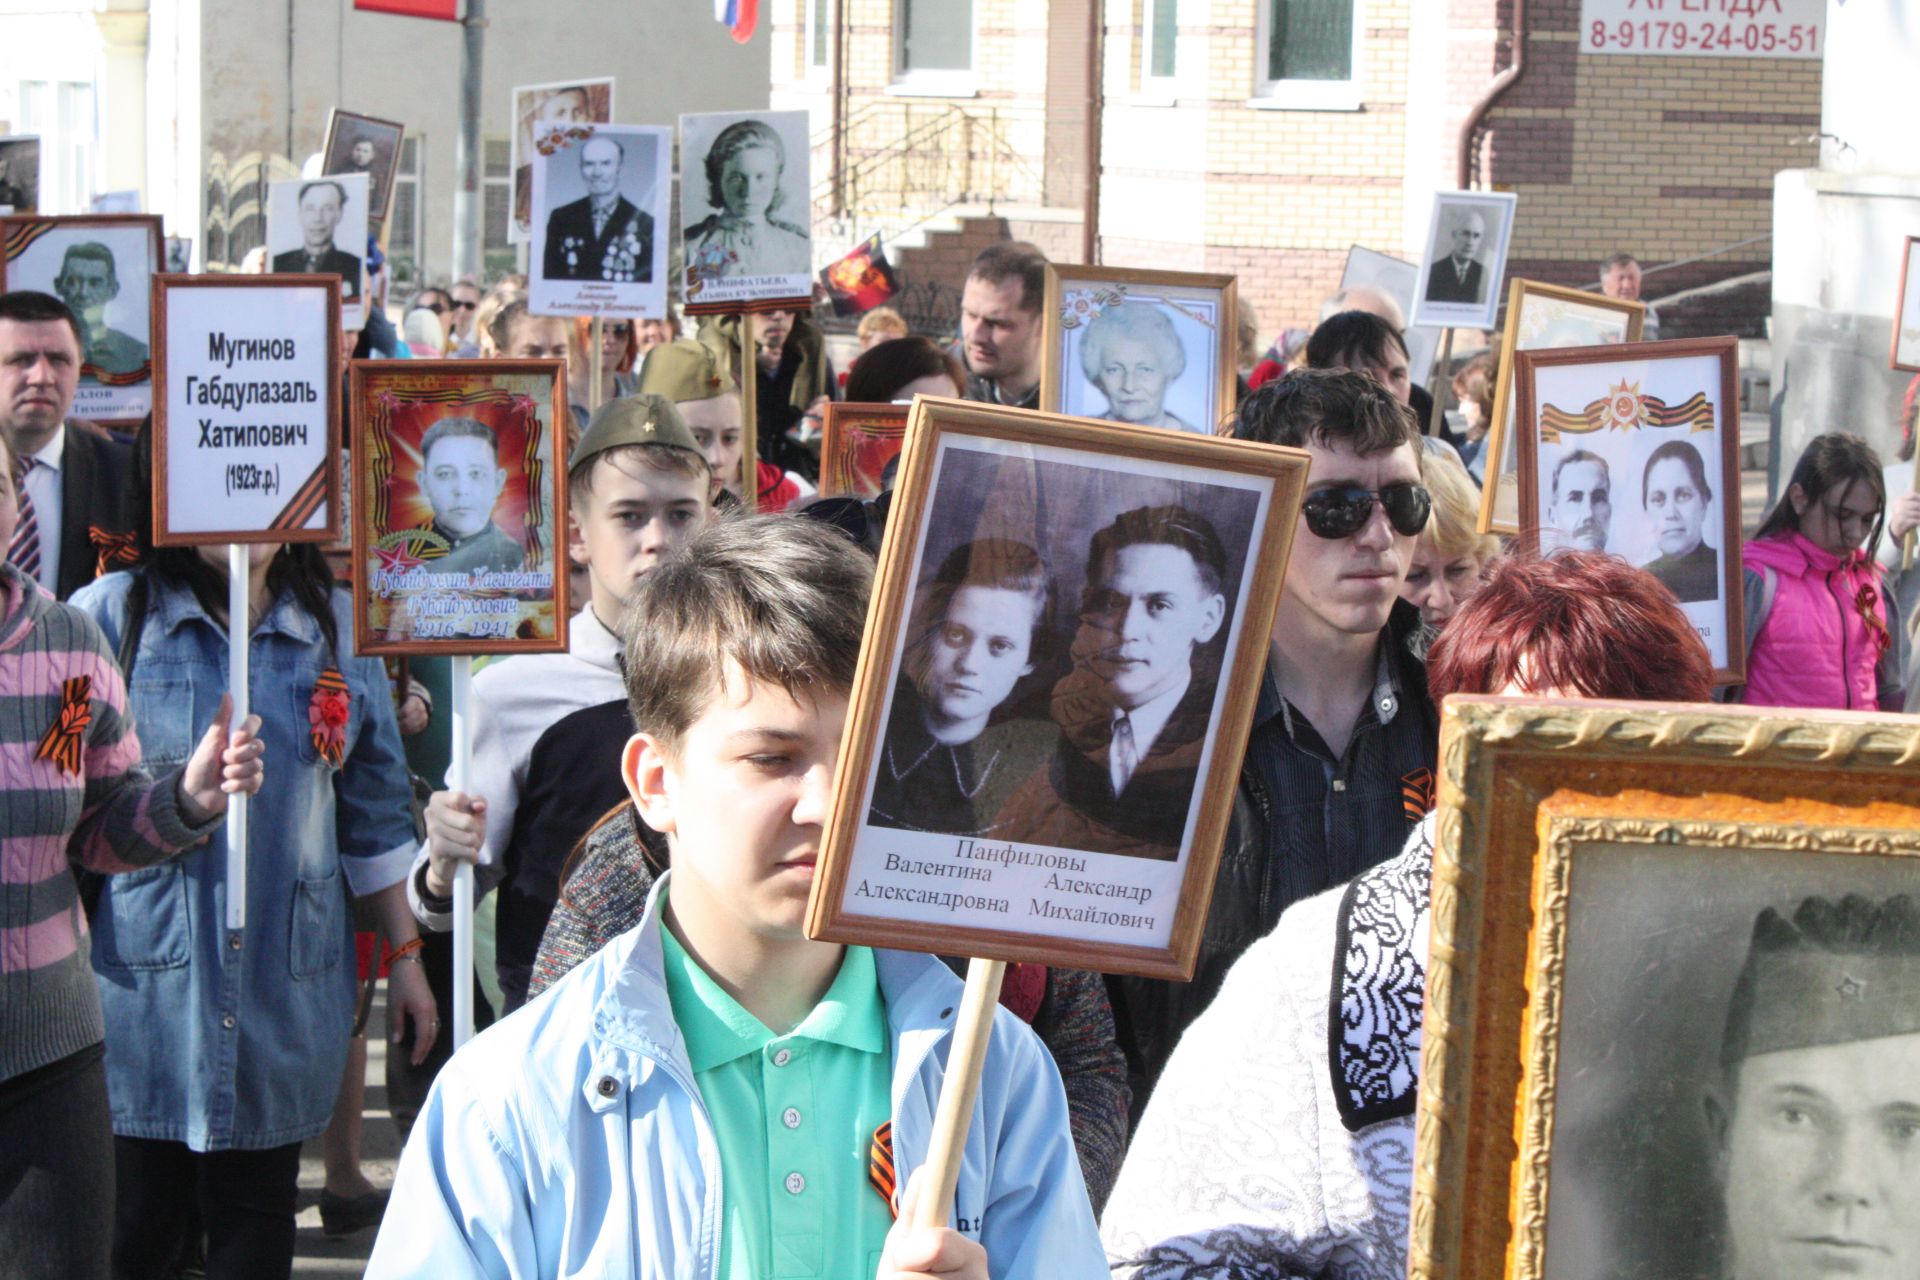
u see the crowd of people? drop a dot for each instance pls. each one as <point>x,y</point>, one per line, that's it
<point>671,1069</point>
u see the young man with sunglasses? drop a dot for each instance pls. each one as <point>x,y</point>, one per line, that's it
<point>1339,765</point>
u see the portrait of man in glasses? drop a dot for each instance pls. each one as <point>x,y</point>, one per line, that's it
<point>1133,711</point>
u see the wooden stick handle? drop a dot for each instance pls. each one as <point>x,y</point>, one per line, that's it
<point>596,331</point>
<point>749,417</point>
<point>1439,414</point>
<point>971,1034</point>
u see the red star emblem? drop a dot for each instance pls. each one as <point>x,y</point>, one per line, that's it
<point>397,559</point>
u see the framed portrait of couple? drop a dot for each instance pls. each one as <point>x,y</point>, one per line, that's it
<point>1146,348</point>
<point>1540,317</point>
<point>102,266</point>
<point>1069,626</point>
<point>459,506</point>
<point>1673,1001</point>
<point>1634,450</point>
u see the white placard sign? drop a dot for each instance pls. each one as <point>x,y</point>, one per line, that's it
<point>247,428</point>
<point>1705,28</point>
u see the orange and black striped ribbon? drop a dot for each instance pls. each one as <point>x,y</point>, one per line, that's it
<point>1418,794</point>
<point>112,550</point>
<point>64,739</point>
<point>329,742</point>
<point>880,1165</point>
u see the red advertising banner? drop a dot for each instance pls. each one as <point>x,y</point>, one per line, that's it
<point>445,10</point>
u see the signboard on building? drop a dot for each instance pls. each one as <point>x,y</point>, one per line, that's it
<point>1705,28</point>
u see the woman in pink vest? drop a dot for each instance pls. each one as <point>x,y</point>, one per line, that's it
<point>1817,613</point>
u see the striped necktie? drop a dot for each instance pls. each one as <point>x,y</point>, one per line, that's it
<point>23,553</point>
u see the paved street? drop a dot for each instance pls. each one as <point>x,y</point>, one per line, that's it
<point>318,1254</point>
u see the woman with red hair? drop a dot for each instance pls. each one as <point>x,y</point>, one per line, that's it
<point>1272,1149</point>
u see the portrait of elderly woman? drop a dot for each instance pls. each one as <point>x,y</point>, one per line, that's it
<point>1132,356</point>
<point>745,172</point>
<point>1676,496</point>
<point>953,754</point>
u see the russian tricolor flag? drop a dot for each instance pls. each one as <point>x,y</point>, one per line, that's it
<point>738,16</point>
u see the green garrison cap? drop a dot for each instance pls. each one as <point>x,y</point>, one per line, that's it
<point>645,418</point>
<point>685,370</point>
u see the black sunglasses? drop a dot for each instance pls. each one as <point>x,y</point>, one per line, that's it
<point>1342,512</point>
<point>464,306</point>
<point>434,307</point>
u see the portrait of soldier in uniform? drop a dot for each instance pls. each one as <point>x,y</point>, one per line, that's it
<point>461,475</point>
<point>603,235</point>
<point>87,282</point>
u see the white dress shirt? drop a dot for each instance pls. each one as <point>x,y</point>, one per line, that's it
<point>43,487</point>
<point>1148,720</point>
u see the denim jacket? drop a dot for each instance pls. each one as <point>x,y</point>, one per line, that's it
<point>570,1139</point>
<point>236,1040</point>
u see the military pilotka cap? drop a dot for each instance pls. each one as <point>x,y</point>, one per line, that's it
<point>685,370</point>
<point>635,419</point>
<point>1836,973</point>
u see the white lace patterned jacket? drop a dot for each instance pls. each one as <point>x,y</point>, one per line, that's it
<point>1273,1150</point>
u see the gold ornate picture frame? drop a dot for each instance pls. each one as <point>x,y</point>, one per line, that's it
<point>1596,877</point>
<point>1142,348</point>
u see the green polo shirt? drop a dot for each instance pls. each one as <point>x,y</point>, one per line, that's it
<point>794,1117</point>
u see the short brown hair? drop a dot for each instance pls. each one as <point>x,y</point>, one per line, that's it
<point>667,459</point>
<point>1326,407</point>
<point>1013,260</point>
<point>784,599</point>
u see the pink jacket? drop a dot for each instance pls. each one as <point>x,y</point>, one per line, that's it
<point>1814,648</point>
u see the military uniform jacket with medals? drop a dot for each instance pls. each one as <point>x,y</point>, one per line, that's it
<point>620,250</point>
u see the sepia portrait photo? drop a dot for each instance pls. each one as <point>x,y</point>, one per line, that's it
<point>101,266</point>
<point>1634,450</point>
<point>746,207</point>
<point>600,222</point>
<point>1152,349</point>
<point>1467,241</point>
<point>364,145</point>
<point>318,226</point>
<point>542,112</point>
<point>457,540</point>
<point>1067,636</point>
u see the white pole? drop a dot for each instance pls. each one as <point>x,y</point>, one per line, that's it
<point>457,771</point>
<point>239,639</point>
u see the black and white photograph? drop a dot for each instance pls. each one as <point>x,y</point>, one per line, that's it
<point>100,266</point>
<point>19,175</point>
<point>1152,349</point>
<point>1738,1083</point>
<point>1467,241</point>
<point>364,145</point>
<point>318,226</point>
<point>601,223</point>
<point>1074,620</point>
<point>746,207</point>
<point>1633,450</point>
<point>543,113</point>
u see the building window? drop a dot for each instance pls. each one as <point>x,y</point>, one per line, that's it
<point>1163,30</point>
<point>404,217</point>
<point>935,45</point>
<point>1310,53</point>
<point>61,112</point>
<point>818,35</point>
<point>497,192</point>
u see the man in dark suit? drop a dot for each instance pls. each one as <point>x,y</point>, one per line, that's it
<point>1459,277</point>
<point>321,204</point>
<point>75,486</point>
<point>601,236</point>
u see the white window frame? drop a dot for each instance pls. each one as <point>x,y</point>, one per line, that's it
<point>505,183</point>
<point>1309,95</point>
<point>416,178</point>
<point>1154,87</point>
<point>953,83</point>
<point>815,14</point>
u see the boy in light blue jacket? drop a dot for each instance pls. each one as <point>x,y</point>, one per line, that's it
<point>714,1095</point>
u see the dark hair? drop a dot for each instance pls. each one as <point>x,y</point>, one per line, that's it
<point>1618,260</point>
<point>735,138</point>
<point>1000,563</point>
<point>1680,451</point>
<point>1325,407</point>
<point>1583,622</point>
<point>1013,260</point>
<point>1578,455</point>
<point>879,372</point>
<point>91,250</point>
<point>299,569</point>
<point>1829,461</point>
<point>338,189</point>
<point>457,429</point>
<point>30,306</point>
<point>1348,334</point>
<point>1174,526</point>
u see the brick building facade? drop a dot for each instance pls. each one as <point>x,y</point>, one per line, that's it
<point>1214,155</point>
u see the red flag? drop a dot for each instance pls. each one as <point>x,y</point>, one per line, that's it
<point>860,281</point>
<point>444,10</point>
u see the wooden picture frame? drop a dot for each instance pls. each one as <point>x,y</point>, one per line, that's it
<point>1566,1044</point>
<point>1185,309</point>
<point>402,602</point>
<point>1034,863</point>
<point>1540,316</point>
<point>1642,413</point>
<point>857,443</point>
<point>1443,297</point>
<point>116,372</point>
<point>245,460</point>
<point>346,129</point>
<point>1903,352</point>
